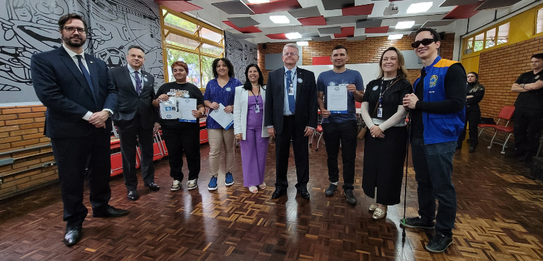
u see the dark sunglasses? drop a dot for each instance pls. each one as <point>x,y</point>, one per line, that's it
<point>425,41</point>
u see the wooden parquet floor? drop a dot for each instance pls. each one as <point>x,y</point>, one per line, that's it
<point>500,217</point>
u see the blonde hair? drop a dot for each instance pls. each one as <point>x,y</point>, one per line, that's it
<point>402,71</point>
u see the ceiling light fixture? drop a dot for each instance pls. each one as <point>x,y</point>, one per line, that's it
<point>279,19</point>
<point>405,24</point>
<point>395,36</point>
<point>419,7</point>
<point>391,9</point>
<point>293,36</point>
<point>302,43</point>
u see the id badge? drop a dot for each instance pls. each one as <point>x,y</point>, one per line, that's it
<point>257,109</point>
<point>290,90</point>
<point>379,112</point>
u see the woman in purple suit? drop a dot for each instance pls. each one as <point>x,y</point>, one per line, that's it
<point>249,127</point>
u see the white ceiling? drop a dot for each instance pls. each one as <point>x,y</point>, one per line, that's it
<point>215,16</point>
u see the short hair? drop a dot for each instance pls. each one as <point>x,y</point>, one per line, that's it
<point>228,64</point>
<point>137,47</point>
<point>402,71</point>
<point>537,56</point>
<point>182,64</point>
<point>339,46</point>
<point>67,17</point>
<point>476,76</point>
<point>291,45</point>
<point>248,86</point>
<point>434,33</point>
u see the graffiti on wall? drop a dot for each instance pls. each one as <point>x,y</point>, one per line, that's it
<point>241,53</point>
<point>30,26</point>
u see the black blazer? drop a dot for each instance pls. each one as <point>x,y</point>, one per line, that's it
<point>62,88</point>
<point>129,102</point>
<point>306,100</point>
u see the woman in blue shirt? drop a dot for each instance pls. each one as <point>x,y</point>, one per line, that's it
<point>220,91</point>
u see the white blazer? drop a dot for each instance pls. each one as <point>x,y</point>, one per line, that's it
<point>241,106</point>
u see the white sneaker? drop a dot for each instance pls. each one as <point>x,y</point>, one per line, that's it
<point>176,185</point>
<point>192,184</point>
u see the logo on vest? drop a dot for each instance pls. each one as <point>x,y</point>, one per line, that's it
<point>433,81</point>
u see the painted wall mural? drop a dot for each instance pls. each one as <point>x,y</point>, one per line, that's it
<point>241,53</point>
<point>30,26</point>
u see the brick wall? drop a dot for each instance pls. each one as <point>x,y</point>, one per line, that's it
<point>367,51</point>
<point>22,127</point>
<point>500,68</point>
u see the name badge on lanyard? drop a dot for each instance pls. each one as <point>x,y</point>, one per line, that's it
<point>257,108</point>
<point>291,90</point>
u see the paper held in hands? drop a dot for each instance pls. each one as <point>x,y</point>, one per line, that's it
<point>336,98</point>
<point>226,120</point>
<point>178,108</point>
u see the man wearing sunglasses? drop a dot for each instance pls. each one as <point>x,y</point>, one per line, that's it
<point>80,98</point>
<point>437,119</point>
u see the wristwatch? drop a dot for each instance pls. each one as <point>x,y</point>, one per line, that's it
<point>522,85</point>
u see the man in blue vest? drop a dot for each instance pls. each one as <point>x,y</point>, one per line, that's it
<point>437,119</point>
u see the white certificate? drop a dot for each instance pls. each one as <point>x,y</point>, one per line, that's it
<point>336,98</point>
<point>186,106</point>
<point>226,120</point>
<point>169,110</point>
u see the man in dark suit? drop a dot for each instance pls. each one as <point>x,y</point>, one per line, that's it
<point>134,119</point>
<point>79,96</point>
<point>291,113</point>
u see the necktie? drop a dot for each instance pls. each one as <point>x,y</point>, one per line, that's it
<point>86,74</point>
<point>138,82</point>
<point>291,101</point>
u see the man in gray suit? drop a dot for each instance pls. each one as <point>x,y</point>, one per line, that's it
<point>135,119</point>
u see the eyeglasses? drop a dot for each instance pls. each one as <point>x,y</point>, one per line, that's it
<point>425,41</point>
<point>291,54</point>
<point>71,29</point>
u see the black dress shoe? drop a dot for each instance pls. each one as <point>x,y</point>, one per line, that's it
<point>111,212</point>
<point>471,149</point>
<point>72,236</point>
<point>133,195</point>
<point>152,186</point>
<point>304,193</point>
<point>278,193</point>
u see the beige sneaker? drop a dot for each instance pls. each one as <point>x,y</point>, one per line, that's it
<point>176,185</point>
<point>192,184</point>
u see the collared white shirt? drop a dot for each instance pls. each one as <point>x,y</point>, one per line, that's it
<point>133,76</point>
<point>73,54</point>
<point>286,110</point>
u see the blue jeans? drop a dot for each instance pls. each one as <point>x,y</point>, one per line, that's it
<point>433,167</point>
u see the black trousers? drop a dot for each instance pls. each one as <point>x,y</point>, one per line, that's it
<point>344,135</point>
<point>473,117</point>
<point>181,141</point>
<point>282,154</point>
<point>73,156</point>
<point>130,136</point>
<point>527,130</point>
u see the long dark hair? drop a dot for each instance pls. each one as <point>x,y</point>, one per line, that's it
<point>228,64</point>
<point>248,86</point>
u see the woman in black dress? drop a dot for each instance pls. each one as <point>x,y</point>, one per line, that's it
<point>386,140</point>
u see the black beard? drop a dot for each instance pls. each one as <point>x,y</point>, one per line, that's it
<point>69,42</point>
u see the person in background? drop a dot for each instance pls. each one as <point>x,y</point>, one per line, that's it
<point>221,90</point>
<point>249,127</point>
<point>182,137</point>
<point>528,116</point>
<point>340,129</point>
<point>386,140</point>
<point>475,94</point>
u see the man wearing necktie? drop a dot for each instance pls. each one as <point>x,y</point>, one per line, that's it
<point>80,97</point>
<point>291,114</point>
<point>135,119</point>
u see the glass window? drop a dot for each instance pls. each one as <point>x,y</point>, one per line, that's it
<point>490,39</point>
<point>478,43</point>
<point>539,21</point>
<point>193,42</point>
<point>503,33</point>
